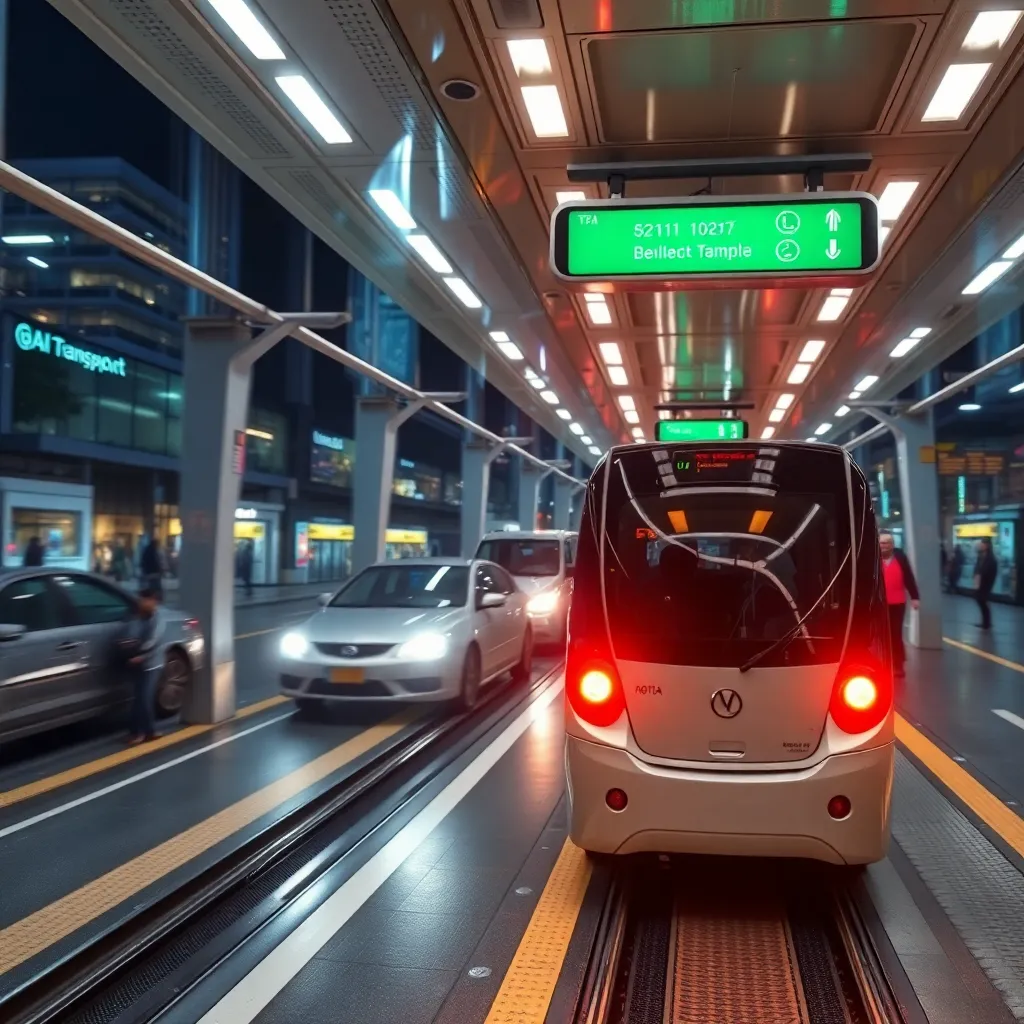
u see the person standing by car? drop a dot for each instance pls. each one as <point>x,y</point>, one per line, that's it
<point>33,552</point>
<point>899,582</point>
<point>152,568</point>
<point>986,569</point>
<point>139,648</point>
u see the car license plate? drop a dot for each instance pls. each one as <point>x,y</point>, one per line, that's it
<point>348,675</point>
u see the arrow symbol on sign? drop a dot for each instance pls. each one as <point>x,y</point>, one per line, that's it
<point>833,220</point>
<point>833,250</point>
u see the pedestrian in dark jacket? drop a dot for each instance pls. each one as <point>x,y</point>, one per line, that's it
<point>140,651</point>
<point>986,569</point>
<point>899,582</point>
<point>33,552</point>
<point>152,568</point>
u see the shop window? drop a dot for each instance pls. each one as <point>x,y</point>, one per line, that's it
<point>150,415</point>
<point>29,604</point>
<point>59,531</point>
<point>266,442</point>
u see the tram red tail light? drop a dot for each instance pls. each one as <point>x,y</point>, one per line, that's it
<point>594,691</point>
<point>860,699</point>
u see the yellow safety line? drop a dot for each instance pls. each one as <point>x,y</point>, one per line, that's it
<point>525,993</point>
<point>83,771</point>
<point>33,934</point>
<point>984,654</point>
<point>987,806</point>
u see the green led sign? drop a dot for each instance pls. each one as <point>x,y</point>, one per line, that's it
<point>33,339</point>
<point>802,236</point>
<point>700,430</point>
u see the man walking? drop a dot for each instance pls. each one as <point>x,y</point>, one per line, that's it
<point>899,582</point>
<point>140,648</point>
<point>986,569</point>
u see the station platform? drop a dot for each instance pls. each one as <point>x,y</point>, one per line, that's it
<point>414,867</point>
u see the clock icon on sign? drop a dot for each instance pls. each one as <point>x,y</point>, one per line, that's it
<point>787,250</point>
<point>788,222</point>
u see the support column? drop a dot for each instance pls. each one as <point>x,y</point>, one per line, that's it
<point>919,494</point>
<point>477,457</point>
<point>530,477</point>
<point>377,421</point>
<point>219,355</point>
<point>563,503</point>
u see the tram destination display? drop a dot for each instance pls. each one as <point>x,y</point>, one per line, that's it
<point>717,238</point>
<point>700,430</point>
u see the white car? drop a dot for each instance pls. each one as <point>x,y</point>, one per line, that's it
<point>541,563</point>
<point>423,629</point>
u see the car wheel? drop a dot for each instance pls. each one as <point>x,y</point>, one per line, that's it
<point>524,668</point>
<point>470,688</point>
<point>173,685</point>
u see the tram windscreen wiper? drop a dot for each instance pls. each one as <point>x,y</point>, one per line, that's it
<point>784,641</point>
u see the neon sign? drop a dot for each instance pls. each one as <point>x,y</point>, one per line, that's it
<point>32,339</point>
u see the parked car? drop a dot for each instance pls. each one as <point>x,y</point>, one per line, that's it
<point>57,634</point>
<point>418,629</point>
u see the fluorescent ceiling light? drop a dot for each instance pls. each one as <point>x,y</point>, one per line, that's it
<point>867,382</point>
<point>894,199</point>
<point>576,429</point>
<point>1016,250</point>
<point>599,312</point>
<point>969,407</point>
<point>905,346</point>
<point>955,91</point>
<point>550,397</point>
<point>767,433</point>
<point>811,351</point>
<point>594,450</point>
<point>593,296</point>
<point>853,396</point>
<point>785,401</point>
<point>510,350</point>
<point>991,28</point>
<point>617,375</point>
<point>394,209</point>
<point>610,353</point>
<point>545,110</point>
<point>27,240</point>
<point>537,383</point>
<point>563,414</point>
<point>776,415</point>
<point>920,332</point>
<point>569,197</point>
<point>529,56</point>
<point>499,336</point>
<point>988,276</point>
<point>463,292</point>
<point>824,428</point>
<point>36,261</point>
<point>631,416</point>
<point>638,432</point>
<point>314,110</point>
<point>813,440</point>
<point>529,374</point>
<point>627,401</point>
<point>832,308</point>
<point>799,373</point>
<point>586,440</point>
<point>1017,387</point>
<point>841,291</point>
<point>241,20</point>
<point>842,411</point>
<point>432,256</point>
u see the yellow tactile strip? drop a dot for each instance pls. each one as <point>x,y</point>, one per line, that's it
<point>102,764</point>
<point>529,983</point>
<point>34,933</point>
<point>1000,818</point>
<point>987,655</point>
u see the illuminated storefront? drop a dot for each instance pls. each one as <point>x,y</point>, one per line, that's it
<point>324,548</point>
<point>59,514</point>
<point>999,527</point>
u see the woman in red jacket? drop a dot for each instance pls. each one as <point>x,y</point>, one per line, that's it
<point>899,582</point>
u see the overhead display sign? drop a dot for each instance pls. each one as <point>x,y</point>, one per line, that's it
<point>700,430</point>
<point>795,238</point>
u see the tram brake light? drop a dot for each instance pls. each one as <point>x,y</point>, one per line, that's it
<point>860,700</point>
<point>594,691</point>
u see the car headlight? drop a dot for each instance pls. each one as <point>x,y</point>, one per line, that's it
<point>543,604</point>
<point>425,647</point>
<point>294,645</point>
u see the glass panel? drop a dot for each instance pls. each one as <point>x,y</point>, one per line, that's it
<point>58,531</point>
<point>93,603</point>
<point>29,603</point>
<point>114,422</point>
<point>523,557</point>
<point>414,586</point>
<point>150,433</point>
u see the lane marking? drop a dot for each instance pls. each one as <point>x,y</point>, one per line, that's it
<point>1010,717</point>
<point>114,787</point>
<point>101,764</point>
<point>528,985</point>
<point>988,656</point>
<point>256,990</point>
<point>987,806</point>
<point>41,929</point>
<point>273,629</point>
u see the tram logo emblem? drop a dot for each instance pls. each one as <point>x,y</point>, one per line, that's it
<point>726,703</point>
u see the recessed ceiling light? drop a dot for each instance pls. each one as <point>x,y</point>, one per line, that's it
<point>598,311</point>
<point>611,353</point>
<point>432,256</point>
<point>767,433</point>
<point>853,396</point>
<point>463,292</point>
<point>969,407</point>
<point>550,397</point>
<point>314,110</point>
<point>955,91</point>
<point>510,350</point>
<point>894,198</point>
<point>811,351</point>
<point>544,108</point>
<point>529,56</point>
<point>987,277</point>
<point>529,374</point>
<point>1016,250</point>
<point>586,440</point>
<point>627,401</point>
<point>570,197</point>
<point>842,411</point>
<point>785,401</point>
<point>824,428</point>
<point>631,416</point>
<point>576,429</point>
<point>593,297</point>
<point>594,450</point>
<point>841,291</point>
<point>537,384</point>
<point>563,414</point>
<point>499,336</point>
<point>776,415</point>
<point>990,28</point>
<point>37,262</point>
<point>799,373</point>
<point>617,375</point>
<point>27,240</point>
<point>832,308</point>
<point>920,332</point>
<point>638,432</point>
<point>1017,387</point>
<point>393,208</point>
<point>866,382</point>
<point>241,20</point>
<point>905,346</point>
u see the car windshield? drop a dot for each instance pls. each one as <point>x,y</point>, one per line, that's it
<point>406,586</point>
<point>523,557</point>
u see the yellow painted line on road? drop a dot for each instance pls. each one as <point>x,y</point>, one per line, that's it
<point>101,764</point>
<point>1008,825</point>
<point>988,656</point>
<point>31,935</point>
<point>529,983</point>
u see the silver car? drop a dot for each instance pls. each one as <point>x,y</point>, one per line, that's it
<point>57,635</point>
<point>423,629</point>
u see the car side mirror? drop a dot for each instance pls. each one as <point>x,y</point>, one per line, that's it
<point>324,600</point>
<point>492,600</point>
<point>11,631</point>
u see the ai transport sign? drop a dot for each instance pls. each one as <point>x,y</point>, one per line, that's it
<point>794,239</point>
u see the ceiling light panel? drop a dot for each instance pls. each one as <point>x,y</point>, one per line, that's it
<point>393,208</point>
<point>767,433</point>
<point>842,411</point>
<point>866,382</point>
<point>586,440</point>
<point>239,17</point>
<point>905,346</point>
<point>785,401</point>
<point>550,397</point>
<point>832,308</point>
<point>544,108</point>
<point>987,277</point>
<point>594,450</point>
<point>577,429</point>
<point>631,416</point>
<point>569,197</point>
<point>955,91</point>
<point>314,110</point>
<point>638,432</point>
<point>617,375</point>
<point>610,353</point>
<point>431,255</point>
<point>510,350</point>
<point>776,415</point>
<point>627,401</point>
<point>1016,250</point>
<point>811,351</point>
<point>463,292</point>
<point>563,414</point>
<point>824,428</point>
<point>920,332</point>
<point>529,57</point>
<point>598,311</point>
<point>894,198</point>
<point>799,373</point>
<point>990,29</point>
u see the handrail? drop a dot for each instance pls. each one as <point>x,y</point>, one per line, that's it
<point>49,199</point>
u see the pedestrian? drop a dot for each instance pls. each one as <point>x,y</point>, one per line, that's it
<point>956,568</point>
<point>245,558</point>
<point>139,650</point>
<point>151,568</point>
<point>33,552</point>
<point>985,571</point>
<point>899,582</point>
